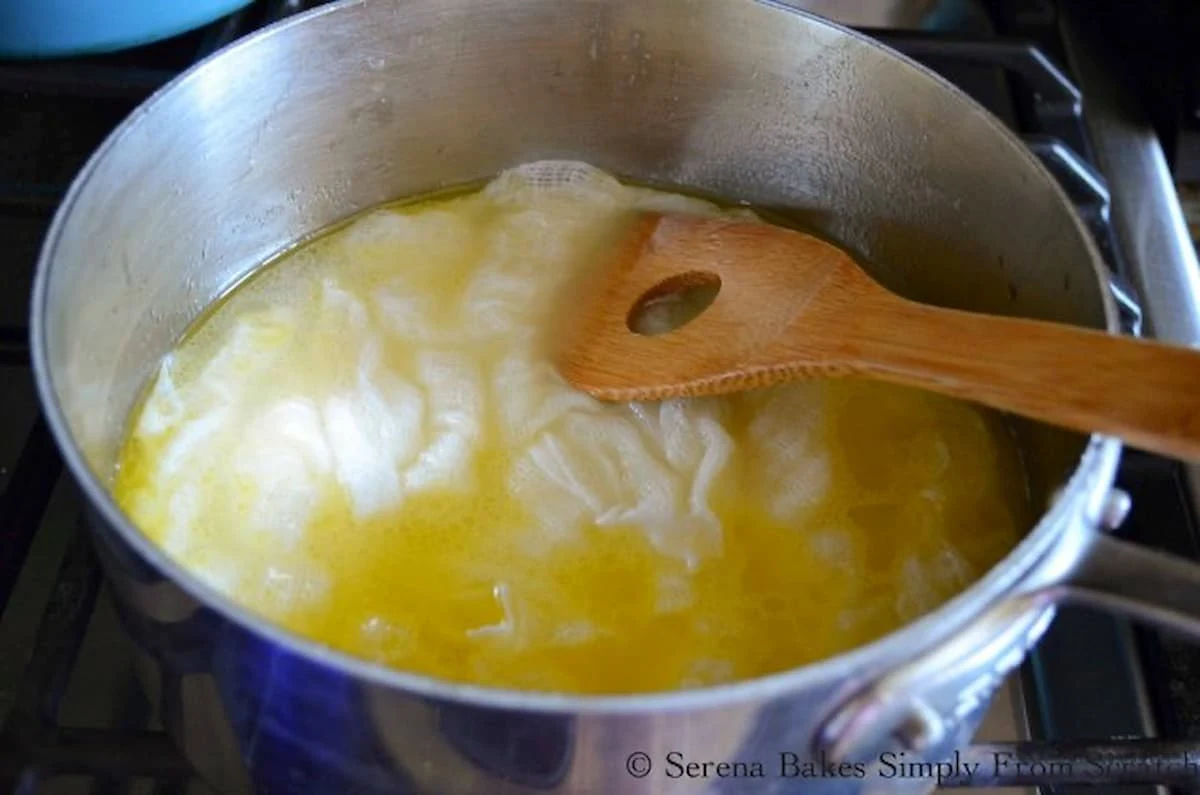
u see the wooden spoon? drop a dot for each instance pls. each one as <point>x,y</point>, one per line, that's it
<point>791,306</point>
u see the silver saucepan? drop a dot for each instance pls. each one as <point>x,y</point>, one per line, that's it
<point>364,101</point>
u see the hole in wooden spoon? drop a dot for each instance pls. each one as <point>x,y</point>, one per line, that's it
<point>673,303</point>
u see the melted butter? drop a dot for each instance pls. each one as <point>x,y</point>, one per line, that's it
<point>366,445</point>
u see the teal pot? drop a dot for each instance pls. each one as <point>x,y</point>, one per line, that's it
<point>49,28</point>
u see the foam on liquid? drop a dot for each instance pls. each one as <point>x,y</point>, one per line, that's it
<point>367,444</point>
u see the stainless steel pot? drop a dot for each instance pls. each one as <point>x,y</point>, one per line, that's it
<point>340,109</point>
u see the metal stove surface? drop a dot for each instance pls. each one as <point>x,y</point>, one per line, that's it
<point>72,718</point>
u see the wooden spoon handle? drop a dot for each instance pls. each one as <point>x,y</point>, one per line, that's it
<point>1145,393</point>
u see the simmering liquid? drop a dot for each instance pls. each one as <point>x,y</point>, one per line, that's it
<point>367,444</point>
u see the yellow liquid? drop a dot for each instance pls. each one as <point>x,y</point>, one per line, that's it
<point>367,445</point>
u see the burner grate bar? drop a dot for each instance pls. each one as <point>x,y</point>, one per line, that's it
<point>24,502</point>
<point>1023,58</point>
<point>93,752</point>
<point>64,625</point>
<point>1056,106</point>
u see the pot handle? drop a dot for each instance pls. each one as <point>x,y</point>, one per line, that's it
<point>916,706</point>
<point>920,705</point>
<point>1146,585</point>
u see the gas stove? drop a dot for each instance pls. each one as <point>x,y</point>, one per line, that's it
<point>72,718</point>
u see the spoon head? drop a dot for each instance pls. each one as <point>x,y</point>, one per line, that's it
<point>687,306</point>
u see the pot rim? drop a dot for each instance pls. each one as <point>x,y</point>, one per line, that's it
<point>1092,473</point>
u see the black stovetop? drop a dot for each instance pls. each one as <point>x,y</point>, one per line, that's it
<point>1092,677</point>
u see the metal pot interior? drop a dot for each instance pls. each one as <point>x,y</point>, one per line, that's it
<point>366,101</point>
